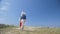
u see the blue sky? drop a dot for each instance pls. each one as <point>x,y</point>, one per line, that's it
<point>38,12</point>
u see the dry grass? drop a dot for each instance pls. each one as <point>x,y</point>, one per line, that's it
<point>31,30</point>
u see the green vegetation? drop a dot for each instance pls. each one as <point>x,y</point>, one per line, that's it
<point>2,26</point>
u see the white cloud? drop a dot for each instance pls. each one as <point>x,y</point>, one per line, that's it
<point>3,8</point>
<point>2,19</point>
<point>7,3</point>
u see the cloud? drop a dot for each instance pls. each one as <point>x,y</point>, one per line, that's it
<point>7,3</point>
<point>2,19</point>
<point>3,8</point>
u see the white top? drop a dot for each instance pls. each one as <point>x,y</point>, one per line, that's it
<point>23,13</point>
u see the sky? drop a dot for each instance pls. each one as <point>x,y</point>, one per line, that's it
<point>38,12</point>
